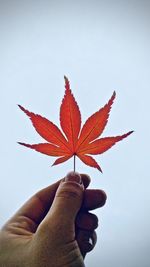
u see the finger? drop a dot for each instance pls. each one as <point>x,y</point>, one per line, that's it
<point>85,179</point>
<point>93,199</point>
<point>66,204</point>
<point>86,221</point>
<point>38,205</point>
<point>86,241</point>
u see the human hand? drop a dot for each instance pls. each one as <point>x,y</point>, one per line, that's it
<point>54,227</point>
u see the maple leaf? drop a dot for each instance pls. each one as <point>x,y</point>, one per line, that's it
<point>72,140</point>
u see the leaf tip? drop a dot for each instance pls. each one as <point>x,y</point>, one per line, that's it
<point>99,168</point>
<point>23,144</point>
<point>114,94</point>
<point>67,83</point>
<point>112,98</point>
<point>20,143</point>
<point>28,113</point>
<point>20,106</point>
<point>127,134</point>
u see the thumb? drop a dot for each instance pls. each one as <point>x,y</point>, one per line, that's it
<point>67,201</point>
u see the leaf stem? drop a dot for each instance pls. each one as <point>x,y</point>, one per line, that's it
<point>74,164</point>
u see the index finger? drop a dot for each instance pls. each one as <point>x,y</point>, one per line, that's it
<point>93,199</point>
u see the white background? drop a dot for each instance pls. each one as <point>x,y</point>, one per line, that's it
<point>100,46</point>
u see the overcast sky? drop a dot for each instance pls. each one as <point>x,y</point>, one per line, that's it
<point>101,46</point>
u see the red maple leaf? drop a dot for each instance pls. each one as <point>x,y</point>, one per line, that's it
<point>72,140</point>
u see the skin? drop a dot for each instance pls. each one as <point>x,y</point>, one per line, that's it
<point>54,227</point>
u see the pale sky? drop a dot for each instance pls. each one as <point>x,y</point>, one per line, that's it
<point>101,46</point>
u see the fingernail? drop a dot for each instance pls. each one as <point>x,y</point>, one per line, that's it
<point>73,177</point>
<point>91,241</point>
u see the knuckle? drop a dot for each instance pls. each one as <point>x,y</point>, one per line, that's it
<point>87,221</point>
<point>94,220</point>
<point>69,190</point>
<point>87,240</point>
